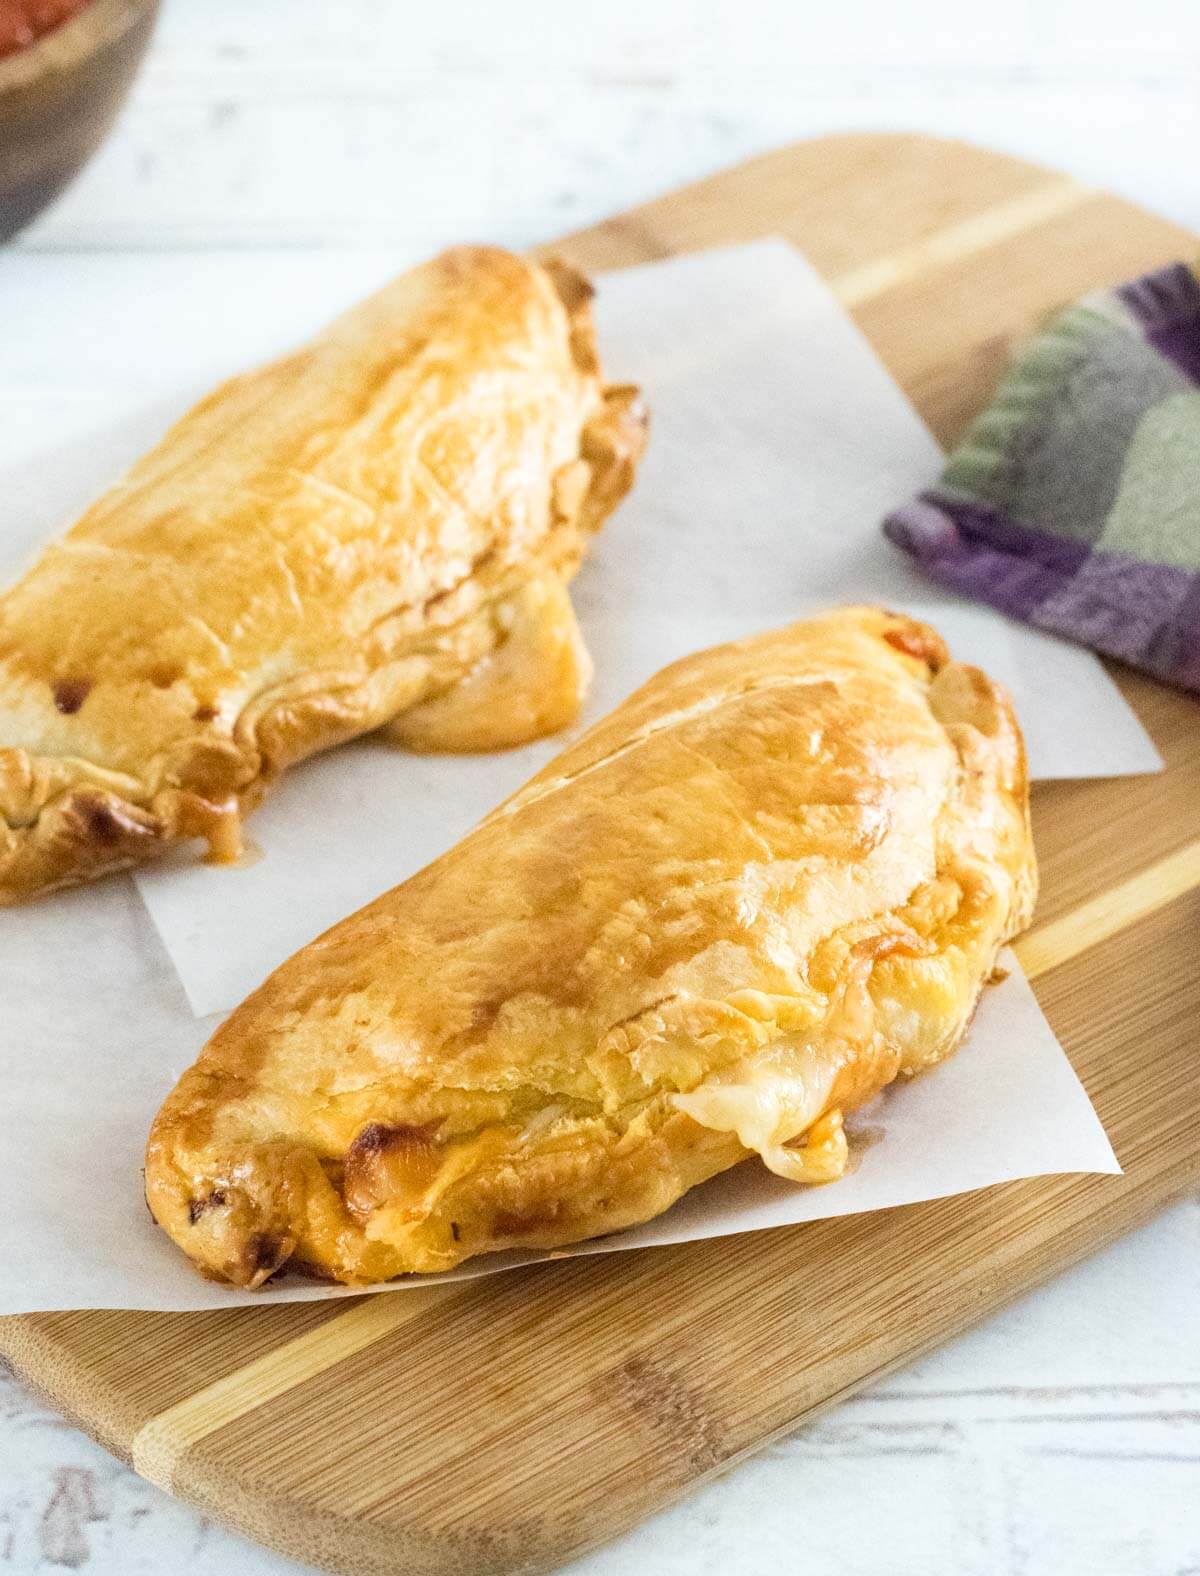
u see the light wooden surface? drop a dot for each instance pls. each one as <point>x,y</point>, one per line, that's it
<point>505,1424</point>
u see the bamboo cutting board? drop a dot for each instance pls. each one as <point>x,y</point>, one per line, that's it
<point>506,1424</point>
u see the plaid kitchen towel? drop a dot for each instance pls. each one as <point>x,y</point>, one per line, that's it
<point>1074,501</point>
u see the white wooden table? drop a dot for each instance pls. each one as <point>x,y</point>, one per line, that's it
<point>1063,1438</point>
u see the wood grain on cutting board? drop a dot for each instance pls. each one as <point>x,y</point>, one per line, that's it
<point>504,1424</point>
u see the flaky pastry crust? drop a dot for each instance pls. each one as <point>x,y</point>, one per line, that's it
<point>773,880</point>
<point>322,547</point>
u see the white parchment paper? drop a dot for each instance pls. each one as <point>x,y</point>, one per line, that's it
<point>778,442</point>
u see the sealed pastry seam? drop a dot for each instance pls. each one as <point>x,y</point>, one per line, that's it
<point>773,881</point>
<point>539,789</point>
<point>319,549</point>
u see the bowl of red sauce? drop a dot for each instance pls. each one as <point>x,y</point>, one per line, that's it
<point>65,68</point>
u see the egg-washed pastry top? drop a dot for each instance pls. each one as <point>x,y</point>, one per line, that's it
<point>374,530</point>
<point>771,881</point>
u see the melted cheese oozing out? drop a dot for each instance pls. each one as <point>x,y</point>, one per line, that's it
<point>773,1104</point>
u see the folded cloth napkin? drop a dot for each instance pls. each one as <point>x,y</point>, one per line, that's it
<point>1073,503</point>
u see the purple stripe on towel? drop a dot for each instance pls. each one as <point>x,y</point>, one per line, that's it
<point>983,554</point>
<point>1143,613</point>
<point>1167,306</point>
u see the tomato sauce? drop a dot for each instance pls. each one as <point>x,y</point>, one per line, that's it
<point>22,22</point>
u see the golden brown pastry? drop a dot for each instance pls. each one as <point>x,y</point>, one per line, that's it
<point>376,529</point>
<point>772,880</point>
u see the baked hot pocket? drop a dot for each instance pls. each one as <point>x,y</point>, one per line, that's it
<point>375,531</point>
<point>773,880</point>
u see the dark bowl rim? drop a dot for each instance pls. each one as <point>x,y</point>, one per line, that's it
<point>100,23</point>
